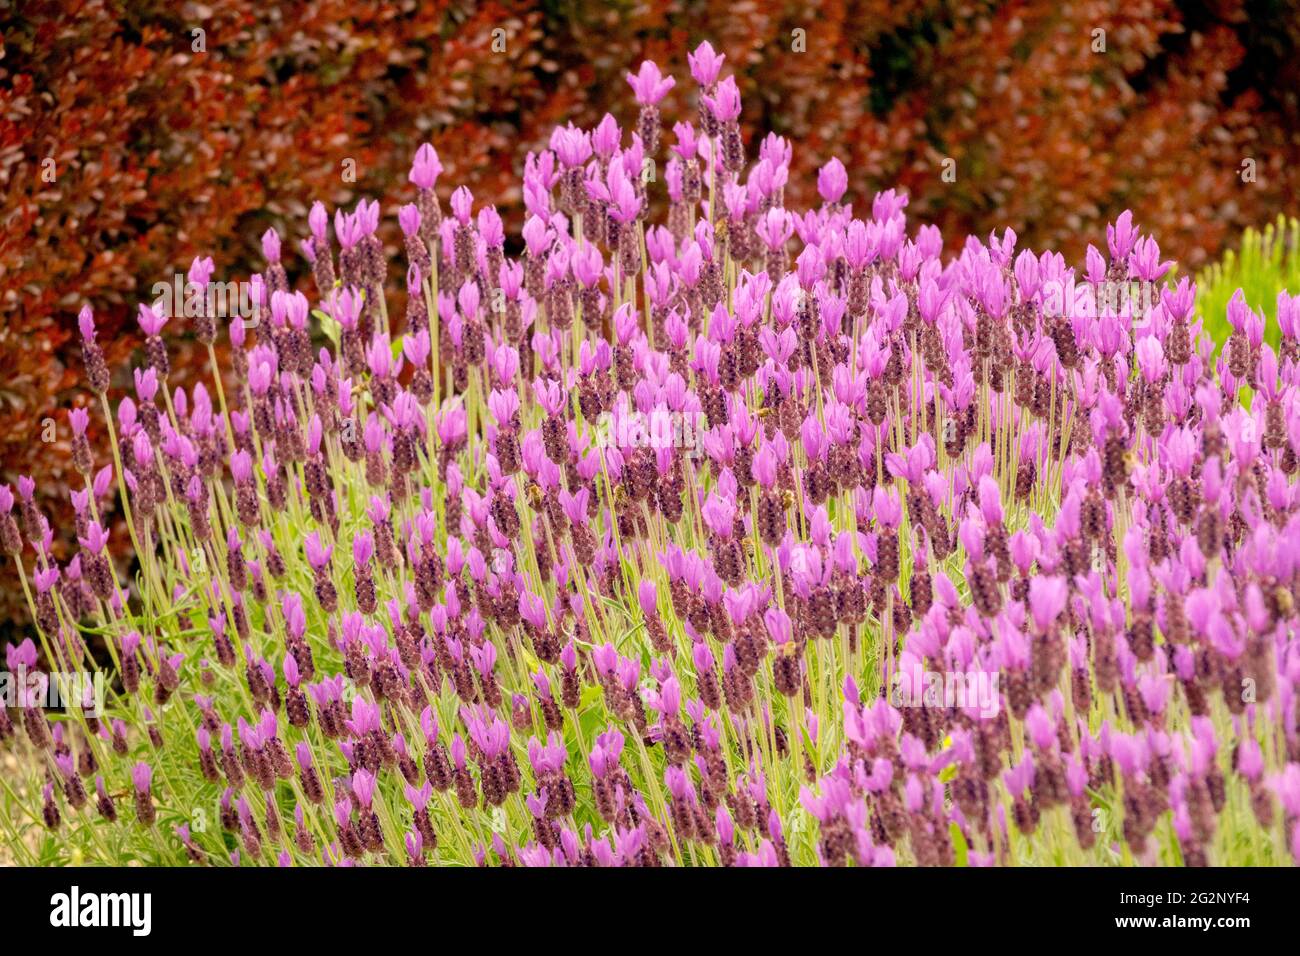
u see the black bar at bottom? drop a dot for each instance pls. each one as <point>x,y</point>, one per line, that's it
<point>330,907</point>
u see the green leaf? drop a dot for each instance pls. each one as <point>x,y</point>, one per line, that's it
<point>330,327</point>
<point>960,849</point>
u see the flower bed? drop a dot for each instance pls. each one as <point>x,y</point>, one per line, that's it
<point>764,535</point>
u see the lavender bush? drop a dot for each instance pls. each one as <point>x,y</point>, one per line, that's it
<point>760,537</point>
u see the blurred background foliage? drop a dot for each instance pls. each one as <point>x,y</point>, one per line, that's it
<point>162,152</point>
<point>1266,261</point>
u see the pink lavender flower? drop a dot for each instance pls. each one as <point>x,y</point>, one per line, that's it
<point>649,84</point>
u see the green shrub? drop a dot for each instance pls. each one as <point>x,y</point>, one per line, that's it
<point>1267,263</point>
